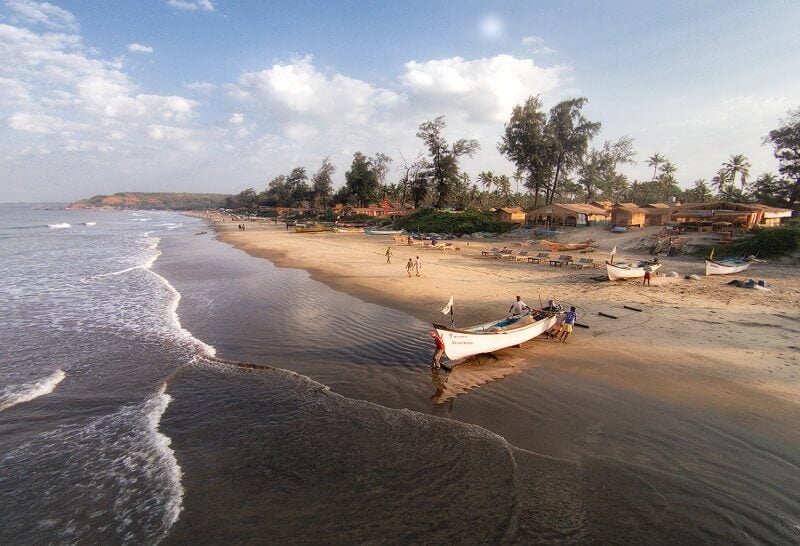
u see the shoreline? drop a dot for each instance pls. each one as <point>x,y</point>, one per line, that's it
<point>686,346</point>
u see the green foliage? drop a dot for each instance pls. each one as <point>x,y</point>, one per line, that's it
<point>444,157</point>
<point>767,242</point>
<point>431,221</point>
<point>156,201</point>
<point>362,179</point>
<point>786,143</point>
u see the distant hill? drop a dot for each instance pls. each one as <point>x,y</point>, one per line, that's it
<point>153,200</point>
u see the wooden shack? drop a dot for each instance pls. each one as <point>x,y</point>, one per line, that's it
<point>512,215</point>
<point>568,214</point>
<point>628,215</point>
<point>658,214</point>
<point>742,215</point>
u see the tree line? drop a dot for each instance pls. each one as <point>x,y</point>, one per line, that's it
<point>554,161</point>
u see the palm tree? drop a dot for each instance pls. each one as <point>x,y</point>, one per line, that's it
<point>738,164</point>
<point>654,161</point>
<point>720,180</point>
<point>487,180</point>
<point>700,192</point>
<point>667,177</point>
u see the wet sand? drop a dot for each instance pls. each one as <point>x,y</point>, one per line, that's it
<point>702,343</point>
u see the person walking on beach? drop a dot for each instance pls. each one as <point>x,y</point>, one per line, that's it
<point>647,271</point>
<point>517,307</point>
<point>388,255</point>
<point>410,267</point>
<point>418,265</point>
<point>569,323</point>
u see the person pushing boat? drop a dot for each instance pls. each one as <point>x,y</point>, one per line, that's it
<point>518,307</point>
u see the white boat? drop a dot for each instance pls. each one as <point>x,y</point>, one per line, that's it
<point>726,266</point>
<point>494,335</point>
<point>622,270</point>
<point>370,231</point>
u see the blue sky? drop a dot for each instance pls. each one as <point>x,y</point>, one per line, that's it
<point>208,95</point>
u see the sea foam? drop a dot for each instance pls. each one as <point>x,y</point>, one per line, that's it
<point>59,226</point>
<point>18,394</point>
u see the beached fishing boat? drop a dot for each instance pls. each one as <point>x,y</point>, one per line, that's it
<point>726,266</point>
<point>561,247</point>
<point>311,228</point>
<point>494,335</point>
<point>621,271</point>
<point>372,231</point>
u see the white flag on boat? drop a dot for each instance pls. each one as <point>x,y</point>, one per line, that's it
<point>613,251</point>
<point>449,307</point>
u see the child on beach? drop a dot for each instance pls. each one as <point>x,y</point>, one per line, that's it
<point>569,322</point>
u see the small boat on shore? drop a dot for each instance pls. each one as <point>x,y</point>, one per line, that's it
<point>372,231</point>
<point>311,228</point>
<point>726,266</point>
<point>494,335</point>
<point>621,271</point>
<point>563,247</point>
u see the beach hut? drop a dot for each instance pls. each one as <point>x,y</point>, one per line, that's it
<point>568,214</point>
<point>628,215</point>
<point>513,215</point>
<point>658,214</point>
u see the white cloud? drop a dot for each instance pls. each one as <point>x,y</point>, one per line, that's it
<point>300,89</point>
<point>299,131</point>
<point>139,48</point>
<point>41,123</point>
<point>491,27</point>
<point>536,45</point>
<point>44,13</point>
<point>236,119</point>
<point>166,132</point>
<point>13,93</point>
<point>484,89</point>
<point>203,87</point>
<point>192,5</point>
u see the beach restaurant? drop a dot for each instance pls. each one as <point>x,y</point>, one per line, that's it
<point>568,214</point>
<point>741,215</point>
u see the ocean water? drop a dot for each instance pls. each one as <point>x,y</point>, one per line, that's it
<point>157,385</point>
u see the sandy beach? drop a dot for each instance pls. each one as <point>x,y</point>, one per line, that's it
<point>699,343</point>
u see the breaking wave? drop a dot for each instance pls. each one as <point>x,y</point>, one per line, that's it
<point>59,226</point>
<point>18,394</point>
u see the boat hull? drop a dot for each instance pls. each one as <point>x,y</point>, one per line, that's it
<point>717,268</point>
<point>463,343</point>
<point>619,273</point>
<point>383,231</point>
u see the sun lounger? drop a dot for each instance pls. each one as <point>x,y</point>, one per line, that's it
<point>490,253</point>
<point>563,259</point>
<point>585,263</point>
<point>506,254</point>
<point>523,256</point>
<point>539,257</point>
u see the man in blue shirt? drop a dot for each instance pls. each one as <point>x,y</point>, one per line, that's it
<point>569,322</point>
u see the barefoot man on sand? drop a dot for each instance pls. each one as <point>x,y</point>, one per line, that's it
<point>418,265</point>
<point>409,267</point>
<point>389,255</point>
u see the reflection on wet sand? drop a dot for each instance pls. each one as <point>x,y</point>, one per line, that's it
<point>461,377</point>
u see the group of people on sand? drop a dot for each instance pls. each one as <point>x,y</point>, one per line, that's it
<point>241,227</point>
<point>563,327</point>
<point>413,266</point>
